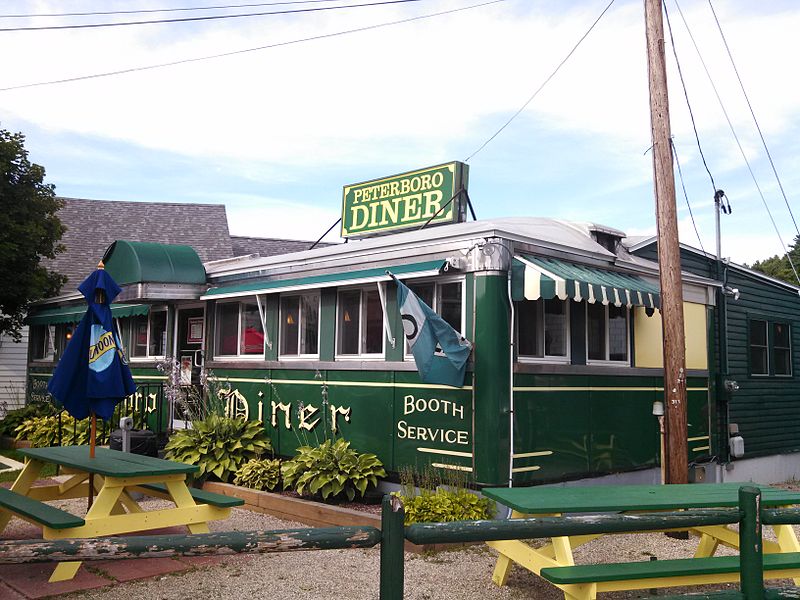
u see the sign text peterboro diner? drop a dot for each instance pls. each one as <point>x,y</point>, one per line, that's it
<point>404,200</point>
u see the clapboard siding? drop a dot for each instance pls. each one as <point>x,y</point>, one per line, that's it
<point>766,409</point>
<point>13,363</point>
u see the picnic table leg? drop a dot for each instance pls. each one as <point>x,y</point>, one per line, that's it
<point>707,547</point>
<point>787,540</point>
<point>23,483</point>
<point>102,506</point>
<point>182,497</point>
<point>503,566</point>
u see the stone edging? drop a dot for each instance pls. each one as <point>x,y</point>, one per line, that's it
<point>308,512</point>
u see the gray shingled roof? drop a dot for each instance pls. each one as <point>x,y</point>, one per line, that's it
<point>92,225</point>
<point>242,246</point>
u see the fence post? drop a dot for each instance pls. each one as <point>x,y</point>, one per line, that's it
<point>750,545</point>
<point>392,542</point>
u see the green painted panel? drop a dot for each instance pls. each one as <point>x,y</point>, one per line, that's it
<point>395,324</point>
<point>362,402</point>
<point>580,425</point>
<point>492,356</point>
<point>327,324</point>
<point>556,426</point>
<point>624,430</point>
<point>273,316</point>
<point>433,425</point>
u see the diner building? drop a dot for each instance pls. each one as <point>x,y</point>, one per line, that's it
<point>563,320</point>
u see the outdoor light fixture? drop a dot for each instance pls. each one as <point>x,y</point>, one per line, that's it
<point>658,408</point>
<point>290,319</point>
<point>69,333</point>
<point>346,316</point>
<point>729,291</point>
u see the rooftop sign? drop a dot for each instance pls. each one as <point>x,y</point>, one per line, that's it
<point>407,200</point>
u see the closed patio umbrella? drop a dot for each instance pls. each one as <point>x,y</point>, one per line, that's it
<point>93,376</point>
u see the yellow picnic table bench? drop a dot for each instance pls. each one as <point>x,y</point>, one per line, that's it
<point>114,510</point>
<point>555,563</point>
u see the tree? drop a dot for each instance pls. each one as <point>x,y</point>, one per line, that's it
<point>779,267</point>
<point>29,230</point>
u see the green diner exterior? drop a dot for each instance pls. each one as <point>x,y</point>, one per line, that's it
<point>560,385</point>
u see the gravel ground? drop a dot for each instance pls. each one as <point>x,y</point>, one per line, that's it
<point>354,574</point>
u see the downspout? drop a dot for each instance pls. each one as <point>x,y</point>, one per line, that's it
<point>511,338</point>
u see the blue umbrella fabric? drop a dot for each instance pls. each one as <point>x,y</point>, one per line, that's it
<point>93,375</point>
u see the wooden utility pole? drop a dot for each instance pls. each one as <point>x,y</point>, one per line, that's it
<point>669,259</point>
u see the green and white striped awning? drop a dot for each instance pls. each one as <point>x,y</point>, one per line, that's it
<point>73,314</point>
<point>534,277</point>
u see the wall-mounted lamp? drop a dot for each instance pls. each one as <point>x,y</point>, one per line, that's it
<point>69,333</point>
<point>731,291</point>
<point>658,408</point>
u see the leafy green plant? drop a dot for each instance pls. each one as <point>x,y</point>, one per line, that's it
<point>445,505</point>
<point>219,446</point>
<point>259,474</point>
<point>331,469</point>
<point>436,496</point>
<point>42,432</point>
<point>15,418</point>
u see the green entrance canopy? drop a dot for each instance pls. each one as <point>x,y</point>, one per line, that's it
<point>73,314</point>
<point>146,262</point>
<point>424,269</point>
<point>535,277</point>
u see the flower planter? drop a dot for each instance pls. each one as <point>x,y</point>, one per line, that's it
<point>9,443</point>
<point>308,512</point>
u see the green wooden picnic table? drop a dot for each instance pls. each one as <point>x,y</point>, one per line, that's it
<point>114,510</point>
<point>557,500</point>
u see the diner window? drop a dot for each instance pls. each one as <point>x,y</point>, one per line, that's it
<point>239,331</point>
<point>445,298</point>
<point>542,328</point>
<point>299,329</point>
<point>359,323</point>
<point>607,333</point>
<point>149,335</point>
<point>41,342</point>
<point>62,336</point>
<point>770,348</point>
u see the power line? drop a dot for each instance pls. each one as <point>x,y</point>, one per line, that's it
<point>541,87</point>
<point>156,10</point>
<point>753,114</point>
<point>686,96</point>
<point>247,50</point>
<point>205,18</point>
<point>685,195</point>
<point>736,138</point>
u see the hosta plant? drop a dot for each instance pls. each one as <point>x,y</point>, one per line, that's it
<point>15,418</point>
<point>42,432</point>
<point>218,445</point>
<point>259,474</point>
<point>331,469</point>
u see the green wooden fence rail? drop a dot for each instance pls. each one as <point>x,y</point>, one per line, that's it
<point>199,544</point>
<point>393,534</point>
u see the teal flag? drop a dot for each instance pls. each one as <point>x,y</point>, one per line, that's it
<point>440,352</point>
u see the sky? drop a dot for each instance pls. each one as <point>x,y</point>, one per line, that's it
<point>274,134</point>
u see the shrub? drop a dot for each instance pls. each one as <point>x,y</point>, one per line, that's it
<point>15,418</point>
<point>259,474</point>
<point>440,496</point>
<point>331,469</point>
<point>42,432</point>
<point>219,446</point>
<point>445,505</point>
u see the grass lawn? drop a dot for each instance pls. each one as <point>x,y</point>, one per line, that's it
<point>47,471</point>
